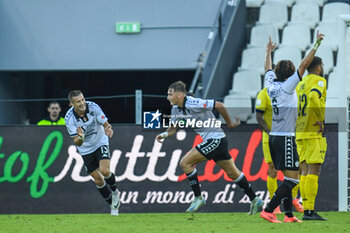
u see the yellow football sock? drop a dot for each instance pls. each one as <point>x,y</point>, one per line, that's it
<point>311,185</point>
<point>303,191</point>
<point>271,185</point>
<point>295,191</point>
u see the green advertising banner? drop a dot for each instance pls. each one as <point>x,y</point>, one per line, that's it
<point>41,171</point>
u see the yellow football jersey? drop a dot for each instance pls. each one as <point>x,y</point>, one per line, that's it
<point>305,127</point>
<point>263,105</point>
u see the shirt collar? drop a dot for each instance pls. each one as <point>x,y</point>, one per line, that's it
<point>86,111</point>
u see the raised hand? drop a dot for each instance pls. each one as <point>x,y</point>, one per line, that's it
<point>270,46</point>
<point>319,36</point>
<point>233,125</point>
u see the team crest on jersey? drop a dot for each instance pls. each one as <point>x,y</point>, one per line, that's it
<point>320,83</point>
<point>258,102</point>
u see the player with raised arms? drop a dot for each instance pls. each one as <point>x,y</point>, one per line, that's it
<point>281,85</point>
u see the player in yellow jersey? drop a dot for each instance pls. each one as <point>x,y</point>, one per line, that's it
<point>263,110</point>
<point>311,144</point>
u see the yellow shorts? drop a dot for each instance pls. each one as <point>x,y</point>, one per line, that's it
<point>312,150</point>
<point>266,151</point>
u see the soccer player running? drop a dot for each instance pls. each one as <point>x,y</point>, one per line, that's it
<point>88,126</point>
<point>214,145</point>
<point>281,85</point>
<point>263,110</point>
<point>311,143</point>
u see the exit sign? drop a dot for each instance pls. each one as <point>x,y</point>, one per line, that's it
<point>128,27</point>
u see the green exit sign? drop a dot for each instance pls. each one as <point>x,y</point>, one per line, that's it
<point>128,27</point>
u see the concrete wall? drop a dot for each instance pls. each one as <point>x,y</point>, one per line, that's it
<point>80,34</point>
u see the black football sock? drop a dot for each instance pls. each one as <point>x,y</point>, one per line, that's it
<point>193,179</point>
<point>247,187</point>
<point>282,192</point>
<point>106,193</point>
<point>110,180</point>
<point>287,204</point>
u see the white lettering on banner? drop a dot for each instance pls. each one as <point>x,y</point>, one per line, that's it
<point>79,163</point>
<point>127,197</point>
<point>133,155</point>
<point>169,197</point>
<point>221,197</point>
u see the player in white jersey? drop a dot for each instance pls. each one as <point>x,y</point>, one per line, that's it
<point>88,126</point>
<point>281,85</point>
<point>214,145</point>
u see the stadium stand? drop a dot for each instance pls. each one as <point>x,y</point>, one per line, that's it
<point>305,19</point>
<point>239,105</point>
<point>261,33</point>
<point>331,30</point>
<point>289,3</point>
<point>319,2</point>
<point>289,38</point>
<point>257,63</point>
<point>275,12</point>
<point>332,10</point>
<point>290,52</point>
<point>246,82</point>
<point>306,12</point>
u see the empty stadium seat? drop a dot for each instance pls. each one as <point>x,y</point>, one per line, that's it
<point>260,35</point>
<point>307,13</point>
<point>298,35</point>
<point>254,3</point>
<point>289,3</point>
<point>275,13</point>
<point>333,109</point>
<point>325,52</point>
<point>238,105</point>
<point>331,34</point>
<point>332,89</point>
<point>319,2</point>
<point>246,82</point>
<point>288,53</point>
<point>252,119</point>
<point>253,58</point>
<point>332,10</point>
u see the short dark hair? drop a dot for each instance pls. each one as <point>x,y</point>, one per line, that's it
<point>284,69</point>
<point>317,61</point>
<point>73,93</point>
<point>178,86</point>
<point>54,102</point>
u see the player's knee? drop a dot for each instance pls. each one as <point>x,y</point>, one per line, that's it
<point>99,181</point>
<point>105,172</point>
<point>184,165</point>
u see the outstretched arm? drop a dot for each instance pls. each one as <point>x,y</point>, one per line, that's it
<point>220,107</point>
<point>262,122</point>
<point>168,133</point>
<point>310,56</point>
<point>270,46</point>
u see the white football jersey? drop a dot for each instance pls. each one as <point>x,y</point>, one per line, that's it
<point>92,125</point>
<point>196,109</point>
<point>284,103</point>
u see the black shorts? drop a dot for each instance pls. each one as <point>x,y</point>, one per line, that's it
<point>216,149</point>
<point>284,152</point>
<point>92,161</point>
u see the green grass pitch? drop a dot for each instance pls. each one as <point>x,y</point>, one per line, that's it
<point>167,222</point>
